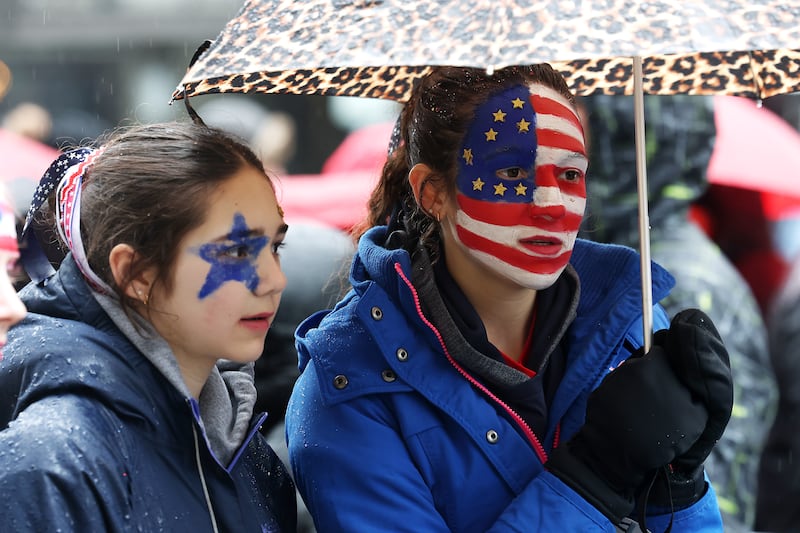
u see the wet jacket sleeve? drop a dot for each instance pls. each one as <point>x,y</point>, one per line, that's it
<point>53,480</point>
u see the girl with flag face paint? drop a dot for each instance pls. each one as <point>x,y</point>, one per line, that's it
<point>128,389</point>
<point>473,378</point>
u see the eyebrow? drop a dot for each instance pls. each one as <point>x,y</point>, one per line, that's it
<point>282,229</point>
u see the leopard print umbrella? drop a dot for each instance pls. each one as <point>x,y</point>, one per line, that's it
<point>376,48</point>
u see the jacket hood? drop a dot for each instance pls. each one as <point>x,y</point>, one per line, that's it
<point>75,341</point>
<point>50,353</point>
<point>375,265</point>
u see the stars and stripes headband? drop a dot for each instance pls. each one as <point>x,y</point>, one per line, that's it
<point>65,176</point>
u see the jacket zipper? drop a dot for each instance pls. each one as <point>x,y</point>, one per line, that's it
<point>532,438</point>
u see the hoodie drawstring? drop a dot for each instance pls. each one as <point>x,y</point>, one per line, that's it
<point>203,481</point>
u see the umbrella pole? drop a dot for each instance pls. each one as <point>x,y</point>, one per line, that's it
<point>644,217</point>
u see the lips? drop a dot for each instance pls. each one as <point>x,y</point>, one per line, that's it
<point>259,322</point>
<point>542,245</point>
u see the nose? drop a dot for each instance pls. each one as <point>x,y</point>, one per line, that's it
<point>271,279</point>
<point>548,203</point>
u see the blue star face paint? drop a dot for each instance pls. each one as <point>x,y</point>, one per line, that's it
<point>233,260</point>
<point>499,151</point>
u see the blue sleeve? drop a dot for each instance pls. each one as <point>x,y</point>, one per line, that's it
<point>355,473</point>
<point>702,517</point>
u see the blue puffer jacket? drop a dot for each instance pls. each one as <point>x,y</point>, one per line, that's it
<point>385,433</point>
<point>94,438</point>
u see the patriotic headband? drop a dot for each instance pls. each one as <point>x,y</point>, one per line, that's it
<point>65,176</point>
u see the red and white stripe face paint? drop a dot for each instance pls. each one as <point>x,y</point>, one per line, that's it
<point>521,185</point>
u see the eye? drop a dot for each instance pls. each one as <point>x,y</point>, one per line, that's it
<point>276,247</point>
<point>239,251</point>
<point>512,173</point>
<point>572,174</point>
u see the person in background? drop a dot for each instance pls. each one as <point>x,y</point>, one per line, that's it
<point>315,262</point>
<point>12,310</point>
<point>680,135</point>
<point>126,395</point>
<point>779,470</point>
<point>486,372</point>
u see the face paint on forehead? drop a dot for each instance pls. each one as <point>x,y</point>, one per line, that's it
<point>501,136</point>
<point>233,260</point>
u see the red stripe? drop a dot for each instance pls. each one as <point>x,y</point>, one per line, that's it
<point>512,256</point>
<point>557,139</point>
<point>517,214</point>
<point>546,176</point>
<point>547,106</point>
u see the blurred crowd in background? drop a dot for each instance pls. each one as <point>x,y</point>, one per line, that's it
<point>735,251</point>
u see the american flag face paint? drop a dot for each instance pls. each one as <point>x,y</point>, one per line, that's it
<point>521,185</point>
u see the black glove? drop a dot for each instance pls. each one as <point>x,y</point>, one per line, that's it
<point>646,414</point>
<point>707,375</point>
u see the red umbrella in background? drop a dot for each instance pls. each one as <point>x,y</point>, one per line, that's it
<point>22,157</point>
<point>338,196</point>
<point>363,149</point>
<point>755,149</point>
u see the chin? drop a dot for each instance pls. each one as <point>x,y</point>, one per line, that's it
<point>537,282</point>
<point>247,354</point>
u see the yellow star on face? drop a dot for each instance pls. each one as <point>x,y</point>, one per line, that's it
<point>477,185</point>
<point>522,125</point>
<point>499,116</point>
<point>467,155</point>
<point>491,135</point>
<point>521,189</point>
<point>517,103</point>
<point>500,189</point>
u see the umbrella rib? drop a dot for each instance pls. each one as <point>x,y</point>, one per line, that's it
<point>756,81</point>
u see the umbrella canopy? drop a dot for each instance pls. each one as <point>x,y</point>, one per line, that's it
<point>377,48</point>
<point>755,149</point>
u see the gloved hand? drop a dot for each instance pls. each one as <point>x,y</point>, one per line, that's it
<point>651,411</point>
<point>712,385</point>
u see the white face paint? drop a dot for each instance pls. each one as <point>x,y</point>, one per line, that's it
<point>521,185</point>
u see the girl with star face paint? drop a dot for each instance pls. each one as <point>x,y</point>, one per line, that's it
<point>465,382</point>
<point>129,386</point>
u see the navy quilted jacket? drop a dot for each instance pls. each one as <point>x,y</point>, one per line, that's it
<point>94,438</point>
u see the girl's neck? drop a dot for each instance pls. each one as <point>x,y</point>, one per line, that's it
<point>505,308</point>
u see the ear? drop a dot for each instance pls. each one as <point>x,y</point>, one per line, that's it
<point>428,192</point>
<point>119,260</point>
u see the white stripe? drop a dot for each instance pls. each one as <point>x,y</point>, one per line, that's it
<point>511,235</point>
<point>559,124</point>
<point>520,276</point>
<point>548,155</point>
